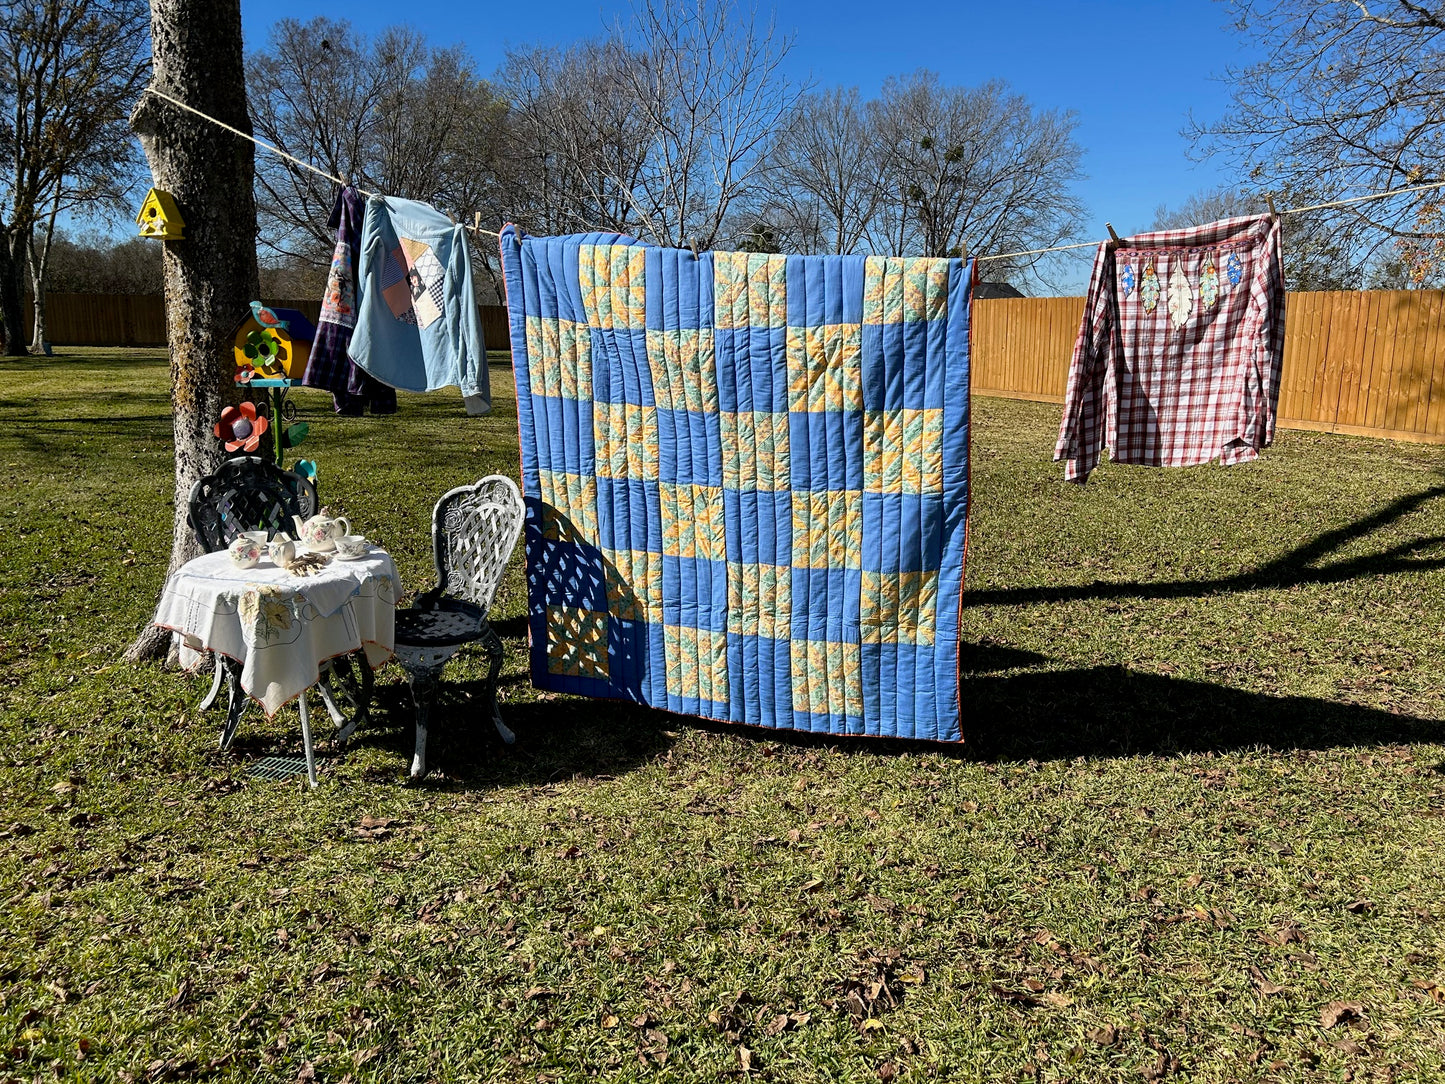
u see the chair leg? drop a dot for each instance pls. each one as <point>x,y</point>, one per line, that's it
<point>423,693</point>
<point>496,653</point>
<point>236,703</point>
<point>356,693</point>
<point>323,686</point>
<point>219,672</point>
<point>306,742</point>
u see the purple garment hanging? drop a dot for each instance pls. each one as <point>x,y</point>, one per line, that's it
<point>330,366</point>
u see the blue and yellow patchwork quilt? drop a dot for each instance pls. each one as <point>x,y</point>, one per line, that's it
<point>746,479</point>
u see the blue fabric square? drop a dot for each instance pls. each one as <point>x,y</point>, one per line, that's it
<point>826,449</point>
<point>628,515</point>
<point>759,526</point>
<point>832,596</point>
<point>915,542</point>
<point>687,443</point>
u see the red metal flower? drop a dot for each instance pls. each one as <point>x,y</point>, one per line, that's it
<point>241,428</point>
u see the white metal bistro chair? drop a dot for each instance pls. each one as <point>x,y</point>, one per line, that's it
<point>474,530</point>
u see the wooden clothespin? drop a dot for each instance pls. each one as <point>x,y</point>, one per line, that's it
<point>477,222</point>
<point>1112,235</point>
<point>1269,202</point>
<point>692,245</point>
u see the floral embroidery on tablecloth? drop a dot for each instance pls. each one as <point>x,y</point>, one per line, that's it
<point>266,611</point>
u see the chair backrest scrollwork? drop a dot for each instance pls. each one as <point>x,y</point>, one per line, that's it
<point>247,494</point>
<point>474,531</point>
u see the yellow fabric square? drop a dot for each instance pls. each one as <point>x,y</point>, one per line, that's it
<point>569,506</point>
<point>692,521</point>
<point>760,600</point>
<point>749,289</point>
<point>827,528</point>
<point>899,607</point>
<point>827,677</point>
<point>905,290</point>
<point>634,584</point>
<point>755,450</point>
<point>903,451</point>
<point>559,358</point>
<point>576,642</point>
<point>684,369</point>
<point>696,663</point>
<point>626,441</point>
<point>613,281</point>
<point>825,367</point>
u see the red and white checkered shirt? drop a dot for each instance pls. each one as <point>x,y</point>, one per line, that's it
<point>1179,352</point>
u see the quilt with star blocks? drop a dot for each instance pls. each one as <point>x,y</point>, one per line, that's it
<point>746,479</point>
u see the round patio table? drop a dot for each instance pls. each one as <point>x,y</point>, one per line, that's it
<point>279,629</point>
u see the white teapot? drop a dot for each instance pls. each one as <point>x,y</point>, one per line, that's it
<point>320,532</point>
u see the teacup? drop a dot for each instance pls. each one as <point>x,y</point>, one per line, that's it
<point>350,545</point>
<point>245,551</point>
<point>282,551</point>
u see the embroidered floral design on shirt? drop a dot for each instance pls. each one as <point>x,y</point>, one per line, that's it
<point>1149,288</point>
<point>1209,284</point>
<point>338,306</point>
<point>1181,297</point>
<point>1233,269</point>
<point>413,282</point>
<point>1126,279</point>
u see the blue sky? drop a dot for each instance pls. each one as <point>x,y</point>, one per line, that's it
<point>1131,71</point>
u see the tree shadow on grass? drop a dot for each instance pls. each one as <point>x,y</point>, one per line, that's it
<point>1297,567</point>
<point>1108,711</point>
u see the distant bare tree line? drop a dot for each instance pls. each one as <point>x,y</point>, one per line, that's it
<point>679,127</point>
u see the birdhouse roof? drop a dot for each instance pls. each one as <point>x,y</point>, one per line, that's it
<point>163,200</point>
<point>298,327</point>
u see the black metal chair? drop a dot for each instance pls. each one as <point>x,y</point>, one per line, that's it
<point>248,493</point>
<point>474,530</point>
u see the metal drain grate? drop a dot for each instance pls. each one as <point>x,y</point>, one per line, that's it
<point>277,767</point>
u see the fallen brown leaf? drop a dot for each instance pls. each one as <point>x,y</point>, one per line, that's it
<point>1263,984</point>
<point>1340,1012</point>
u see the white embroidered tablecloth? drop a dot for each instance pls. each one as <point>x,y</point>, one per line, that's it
<point>281,627</point>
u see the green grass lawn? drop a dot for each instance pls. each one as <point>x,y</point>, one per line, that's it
<point>1196,829</point>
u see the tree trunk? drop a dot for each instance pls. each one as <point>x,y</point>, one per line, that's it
<point>12,272</point>
<point>38,343</point>
<point>39,276</point>
<point>210,276</point>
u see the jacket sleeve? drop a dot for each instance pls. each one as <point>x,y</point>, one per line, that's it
<point>1081,431</point>
<point>469,346</point>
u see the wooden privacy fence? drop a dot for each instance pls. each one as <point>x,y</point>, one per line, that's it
<point>140,319</point>
<point>1371,362</point>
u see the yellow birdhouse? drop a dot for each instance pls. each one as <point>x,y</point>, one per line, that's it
<point>159,217</point>
<point>274,342</point>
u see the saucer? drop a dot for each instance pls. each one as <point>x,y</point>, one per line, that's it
<point>338,555</point>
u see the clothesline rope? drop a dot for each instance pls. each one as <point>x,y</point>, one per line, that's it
<point>1287,211</point>
<point>1000,256</point>
<point>277,150</point>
